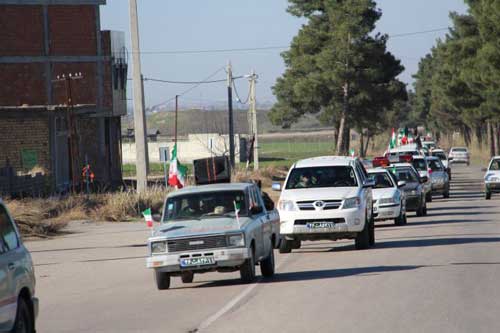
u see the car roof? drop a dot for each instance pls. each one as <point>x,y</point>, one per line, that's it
<point>438,150</point>
<point>401,165</point>
<point>434,158</point>
<point>492,159</point>
<point>325,161</point>
<point>212,188</point>
<point>418,157</point>
<point>459,148</point>
<point>377,170</point>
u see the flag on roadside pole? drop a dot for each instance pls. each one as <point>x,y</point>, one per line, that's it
<point>237,208</point>
<point>352,152</point>
<point>148,217</point>
<point>177,172</point>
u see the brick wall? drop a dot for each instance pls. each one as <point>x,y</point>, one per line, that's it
<point>72,30</point>
<point>22,84</point>
<point>84,91</point>
<point>21,30</point>
<point>14,139</point>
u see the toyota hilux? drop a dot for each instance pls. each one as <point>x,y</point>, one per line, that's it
<point>326,198</point>
<point>492,177</point>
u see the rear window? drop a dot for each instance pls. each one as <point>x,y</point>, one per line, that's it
<point>317,177</point>
<point>459,150</point>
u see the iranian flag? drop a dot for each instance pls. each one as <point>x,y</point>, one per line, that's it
<point>148,217</point>
<point>392,145</point>
<point>177,172</point>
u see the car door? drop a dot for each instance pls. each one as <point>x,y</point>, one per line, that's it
<point>258,222</point>
<point>10,259</point>
<point>366,192</point>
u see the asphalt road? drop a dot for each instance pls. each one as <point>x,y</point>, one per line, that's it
<point>440,273</point>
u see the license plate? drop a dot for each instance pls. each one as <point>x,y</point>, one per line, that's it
<point>321,225</point>
<point>200,261</point>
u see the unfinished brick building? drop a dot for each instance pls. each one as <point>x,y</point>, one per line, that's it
<point>41,40</point>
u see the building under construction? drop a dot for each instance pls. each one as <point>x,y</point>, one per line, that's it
<point>62,95</point>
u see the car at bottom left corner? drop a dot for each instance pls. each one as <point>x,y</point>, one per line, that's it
<point>18,304</point>
<point>214,228</point>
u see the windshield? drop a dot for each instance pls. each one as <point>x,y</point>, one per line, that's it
<point>495,165</point>
<point>203,205</point>
<point>440,155</point>
<point>407,175</point>
<point>382,180</point>
<point>420,164</point>
<point>459,150</point>
<point>435,165</point>
<point>316,177</point>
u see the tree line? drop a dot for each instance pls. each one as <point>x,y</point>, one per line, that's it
<point>457,86</point>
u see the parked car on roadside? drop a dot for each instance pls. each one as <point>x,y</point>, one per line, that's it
<point>413,188</point>
<point>492,178</point>
<point>439,177</point>
<point>459,155</point>
<point>219,227</point>
<point>326,198</point>
<point>389,201</point>
<point>18,304</point>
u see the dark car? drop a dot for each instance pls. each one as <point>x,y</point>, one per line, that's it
<point>414,190</point>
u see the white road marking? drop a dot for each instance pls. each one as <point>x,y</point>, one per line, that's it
<point>232,303</point>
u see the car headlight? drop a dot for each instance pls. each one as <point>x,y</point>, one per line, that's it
<point>159,247</point>
<point>236,240</point>
<point>385,201</point>
<point>412,192</point>
<point>351,203</point>
<point>286,205</point>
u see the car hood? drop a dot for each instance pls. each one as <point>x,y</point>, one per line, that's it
<point>379,193</point>
<point>207,226</point>
<point>438,174</point>
<point>495,173</point>
<point>410,186</point>
<point>327,193</point>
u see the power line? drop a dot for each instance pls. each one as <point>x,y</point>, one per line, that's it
<point>238,95</point>
<point>276,47</point>
<point>189,82</point>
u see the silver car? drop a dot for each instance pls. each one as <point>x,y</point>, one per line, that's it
<point>459,155</point>
<point>439,177</point>
<point>18,304</point>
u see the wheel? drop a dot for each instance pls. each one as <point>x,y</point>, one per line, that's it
<point>487,195</point>
<point>285,246</point>
<point>267,265</point>
<point>428,197</point>
<point>247,270</point>
<point>296,244</point>
<point>425,209</point>
<point>362,240</point>
<point>446,194</point>
<point>372,232</point>
<point>187,277</point>
<point>401,219</point>
<point>162,280</point>
<point>420,210</point>
<point>24,320</point>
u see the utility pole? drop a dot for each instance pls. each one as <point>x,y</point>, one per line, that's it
<point>71,126</point>
<point>230,109</point>
<point>141,143</point>
<point>253,113</point>
<point>176,117</point>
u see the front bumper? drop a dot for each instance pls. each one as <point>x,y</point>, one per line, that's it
<point>492,186</point>
<point>459,160</point>
<point>439,187</point>
<point>412,203</point>
<point>170,262</point>
<point>346,221</point>
<point>387,212</point>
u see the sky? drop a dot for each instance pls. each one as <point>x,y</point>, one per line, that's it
<point>189,25</point>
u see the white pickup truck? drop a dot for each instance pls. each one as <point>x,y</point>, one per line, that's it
<point>221,227</point>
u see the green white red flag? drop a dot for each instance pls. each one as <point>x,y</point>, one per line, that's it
<point>177,172</point>
<point>392,144</point>
<point>148,217</point>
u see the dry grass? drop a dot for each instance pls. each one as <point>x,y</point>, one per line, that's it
<point>47,217</point>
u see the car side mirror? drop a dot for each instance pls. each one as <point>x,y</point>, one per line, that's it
<point>484,169</point>
<point>424,179</point>
<point>157,217</point>
<point>256,210</point>
<point>401,183</point>
<point>369,183</point>
<point>450,158</point>
<point>276,186</point>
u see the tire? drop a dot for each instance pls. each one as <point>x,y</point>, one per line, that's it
<point>428,197</point>
<point>372,232</point>
<point>247,270</point>
<point>296,244</point>
<point>267,265</point>
<point>362,241</point>
<point>446,194</point>
<point>285,246</point>
<point>487,195</point>
<point>401,219</point>
<point>162,280</point>
<point>187,277</point>
<point>24,319</point>
<point>425,209</point>
<point>420,210</point>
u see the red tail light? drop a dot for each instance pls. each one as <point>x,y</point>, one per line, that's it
<point>380,162</point>
<point>406,158</point>
<point>429,171</point>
